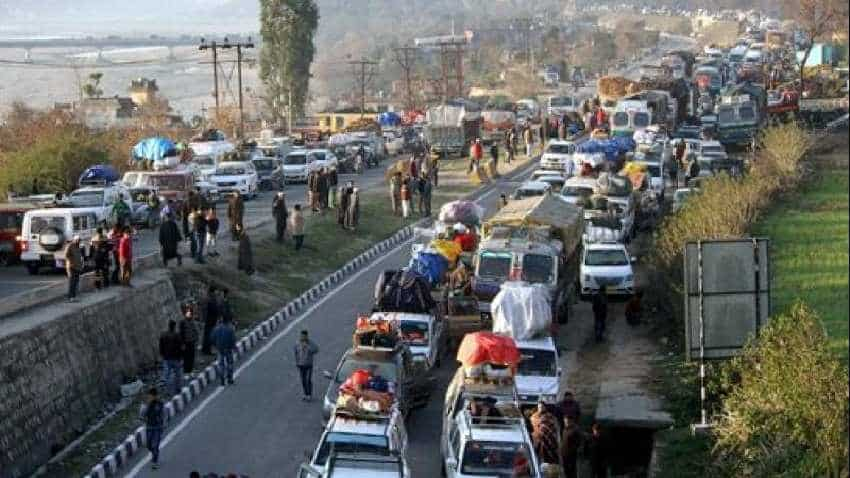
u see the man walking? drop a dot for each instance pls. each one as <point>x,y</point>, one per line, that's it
<point>169,240</point>
<point>528,137</point>
<point>597,452</point>
<point>570,445</point>
<point>600,314</point>
<point>281,214</point>
<point>101,247</point>
<point>125,257</point>
<point>73,267</point>
<point>171,351</point>
<point>114,239</point>
<point>189,338</point>
<point>305,349</point>
<point>199,234</point>
<point>395,192</point>
<point>494,157</point>
<point>333,185</point>
<point>245,258</point>
<point>296,225</point>
<point>212,232</point>
<point>476,152</point>
<point>224,340</point>
<point>425,196</point>
<point>544,435</point>
<point>153,415</point>
<point>235,213</point>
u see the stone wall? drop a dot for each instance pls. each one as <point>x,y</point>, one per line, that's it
<point>56,377</point>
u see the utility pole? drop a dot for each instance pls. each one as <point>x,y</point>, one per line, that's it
<point>451,64</point>
<point>405,57</point>
<point>214,47</point>
<point>360,77</point>
<point>239,46</point>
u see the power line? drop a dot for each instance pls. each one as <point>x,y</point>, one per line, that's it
<point>405,57</point>
<point>361,79</point>
<point>226,45</point>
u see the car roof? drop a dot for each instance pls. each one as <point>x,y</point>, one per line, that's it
<point>358,426</point>
<point>608,246</point>
<point>539,343</point>
<point>535,185</point>
<point>232,163</point>
<point>580,181</point>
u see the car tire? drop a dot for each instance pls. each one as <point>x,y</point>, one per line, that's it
<point>32,268</point>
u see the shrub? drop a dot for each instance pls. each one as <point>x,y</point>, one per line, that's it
<point>787,414</point>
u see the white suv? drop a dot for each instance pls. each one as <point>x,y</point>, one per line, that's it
<point>558,156</point>
<point>45,232</point>
<point>232,176</point>
<point>538,375</point>
<point>606,266</point>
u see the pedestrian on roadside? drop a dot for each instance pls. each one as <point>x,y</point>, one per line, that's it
<point>570,445</point>
<point>405,198</point>
<point>313,190</point>
<point>245,259</point>
<point>100,247</point>
<point>190,235</point>
<point>597,450</point>
<point>152,414</point>
<point>600,313</point>
<point>509,150</point>
<point>224,340</point>
<point>189,336</point>
<point>425,196</point>
<point>322,186</point>
<point>544,435</point>
<point>281,214</point>
<point>494,157</point>
<point>333,185</point>
<point>114,237</point>
<point>235,213</point>
<point>296,225</point>
<point>212,232</point>
<point>199,234</point>
<point>476,152</point>
<point>224,306</point>
<point>569,407</point>
<point>125,257</point>
<point>503,200</point>
<point>169,241</point>
<point>171,352</point>
<point>305,350</point>
<point>528,137</point>
<point>166,210</point>
<point>73,267</point>
<point>352,212</point>
<point>395,192</point>
<point>211,316</point>
<point>435,171</point>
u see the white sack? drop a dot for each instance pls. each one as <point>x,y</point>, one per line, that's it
<point>521,310</point>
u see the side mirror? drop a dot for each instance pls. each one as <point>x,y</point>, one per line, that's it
<point>327,374</point>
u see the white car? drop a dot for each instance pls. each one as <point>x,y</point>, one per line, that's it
<point>101,199</point>
<point>322,158</point>
<point>45,232</point>
<point>236,176</point>
<point>297,165</point>
<point>558,156</point>
<point>531,189</point>
<point>538,375</point>
<point>712,148</point>
<point>606,266</point>
<point>425,335</point>
<point>578,188</point>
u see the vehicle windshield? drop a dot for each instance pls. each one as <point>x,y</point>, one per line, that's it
<point>167,182</point>
<point>352,443</point>
<point>86,198</point>
<point>641,120</point>
<point>747,113</point>
<point>537,363</point>
<point>561,149</point>
<point>295,159</point>
<point>414,332</point>
<point>39,224</point>
<point>713,149</point>
<point>558,101</point>
<point>537,268</point>
<point>621,118</point>
<point>578,191</point>
<point>231,171</point>
<point>265,164</point>
<point>350,364</point>
<point>496,459</point>
<point>726,115</point>
<point>606,257</point>
<point>527,193</point>
<point>362,462</point>
<point>494,266</point>
<point>318,155</point>
<point>203,160</point>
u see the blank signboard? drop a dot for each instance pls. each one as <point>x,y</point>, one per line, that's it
<point>735,294</point>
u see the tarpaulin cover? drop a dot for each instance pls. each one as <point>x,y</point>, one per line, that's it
<point>566,219</point>
<point>612,148</point>
<point>486,347</point>
<point>611,185</point>
<point>465,212</point>
<point>450,250</point>
<point>521,310</point>
<point>154,149</point>
<point>389,118</point>
<point>406,291</point>
<point>100,173</point>
<point>431,265</point>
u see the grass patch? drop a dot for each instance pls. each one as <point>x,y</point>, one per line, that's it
<point>809,253</point>
<point>683,454</point>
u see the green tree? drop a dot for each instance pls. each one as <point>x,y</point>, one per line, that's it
<point>92,88</point>
<point>287,28</point>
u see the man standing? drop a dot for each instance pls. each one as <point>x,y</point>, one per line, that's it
<point>213,313</point>
<point>528,137</point>
<point>322,189</point>
<point>570,445</point>
<point>73,267</point>
<point>597,452</point>
<point>569,407</point>
<point>395,192</point>
<point>305,349</point>
<point>199,231</point>
<point>235,213</point>
<point>281,214</point>
<point>101,246</point>
<point>544,435</point>
<point>125,257</point>
<point>153,415</point>
<point>224,340</point>
<point>114,239</point>
<point>245,259</point>
<point>509,151</point>
<point>333,184</point>
<point>169,240</point>
<point>296,223</point>
<point>189,337</point>
<point>171,351</point>
<point>600,313</point>
<point>494,157</point>
<point>476,152</point>
<point>425,196</point>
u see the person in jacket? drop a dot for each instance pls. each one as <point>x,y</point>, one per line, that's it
<point>245,260</point>
<point>597,450</point>
<point>425,196</point>
<point>189,335</point>
<point>224,340</point>
<point>212,232</point>
<point>73,267</point>
<point>494,157</point>
<point>152,414</point>
<point>528,137</point>
<point>169,241</point>
<point>395,192</point>
<point>305,350</point>
<point>333,185</point>
<point>171,352</point>
<point>544,435</point>
<point>509,146</point>
<point>600,314</point>
<point>121,212</point>
<point>476,152</point>
<point>212,313</point>
<point>280,214</point>
<point>199,234</point>
<point>101,247</point>
<point>352,211</point>
<point>405,198</point>
<point>313,190</point>
<point>296,225</point>
<point>114,237</point>
<point>125,257</point>
<point>570,445</point>
<point>323,185</point>
<point>235,213</point>
<point>569,407</point>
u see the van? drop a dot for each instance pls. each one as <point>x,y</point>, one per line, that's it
<point>45,232</point>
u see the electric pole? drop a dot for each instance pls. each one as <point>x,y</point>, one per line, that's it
<point>226,45</point>
<point>405,57</point>
<point>214,47</point>
<point>362,80</point>
<point>451,64</point>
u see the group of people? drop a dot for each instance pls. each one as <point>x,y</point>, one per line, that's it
<point>113,250</point>
<point>558,440</point>
<point>322,188</point>
<point>406,187</point>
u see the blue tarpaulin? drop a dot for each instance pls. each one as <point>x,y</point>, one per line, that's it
<point>154,149</point>
<point>430,265</point>
<point>99,173</point>
<point>613,147</point>
<point>389,119</point>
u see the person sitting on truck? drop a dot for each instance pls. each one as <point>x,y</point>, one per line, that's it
<point>465,239</point>
<point>459,280</point>
<point>484,408</point>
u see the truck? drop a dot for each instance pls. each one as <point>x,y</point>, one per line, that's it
<point>630,116</point>
<point>450,128</point>
<point>495,123</point>
<point>533,239</point>
<point>611,89</point>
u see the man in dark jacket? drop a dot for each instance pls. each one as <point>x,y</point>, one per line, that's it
<point>199,232</point>
<point>224,339</point>
<point>152,414</point>
<point>596,449</point>
<point>213,313</point>
<point>281,215</point>
<point>169,241</point>
<point>600,314</point>
<point>189,337</point>
<point>171,351</point>
<point>305,349</point>
<point>235,213</point>
<point>570,445</point>
<point>245,261</point>
<point>425,196</point>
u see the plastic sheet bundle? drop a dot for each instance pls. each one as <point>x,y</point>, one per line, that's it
<point>521,310</point>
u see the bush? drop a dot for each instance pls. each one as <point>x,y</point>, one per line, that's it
<point>787,414</point>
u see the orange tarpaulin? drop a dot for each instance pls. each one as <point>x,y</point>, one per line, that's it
<point>486,347</point>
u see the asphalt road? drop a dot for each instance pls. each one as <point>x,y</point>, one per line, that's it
<point>15,279</point>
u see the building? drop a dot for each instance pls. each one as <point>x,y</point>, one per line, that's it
<point>143,91</point>
<point>103,113</point>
